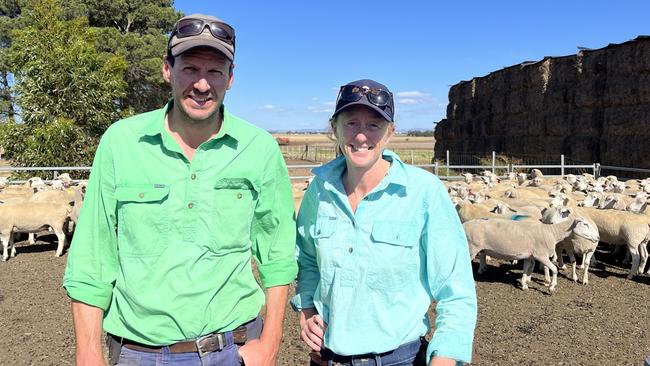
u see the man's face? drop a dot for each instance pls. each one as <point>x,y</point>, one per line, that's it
<point>199,80</point>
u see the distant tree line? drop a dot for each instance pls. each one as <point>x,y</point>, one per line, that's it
<point>418,133</point>
<point>68,69</point>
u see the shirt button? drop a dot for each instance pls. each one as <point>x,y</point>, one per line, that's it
<point>190,205</point>
<point>239,195</point>
<point>193,176</point>
<point>350,250</point>
<point>141,195</point>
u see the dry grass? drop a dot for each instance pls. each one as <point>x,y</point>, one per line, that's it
<point>397,142</point>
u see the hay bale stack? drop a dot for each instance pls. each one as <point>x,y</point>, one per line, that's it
<point>592,106</point>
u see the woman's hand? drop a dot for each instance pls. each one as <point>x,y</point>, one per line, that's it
<point>312,328</point>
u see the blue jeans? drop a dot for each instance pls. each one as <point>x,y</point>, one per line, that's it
<point>403,355</point>
<point>647,361</point>
<point>228,356</point>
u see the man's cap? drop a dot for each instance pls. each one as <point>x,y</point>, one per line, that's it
<point>387,112</point>
<point>205,39</point>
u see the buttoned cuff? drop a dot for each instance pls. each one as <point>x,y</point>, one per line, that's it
<point>278,273</point>
<point>450,345</point>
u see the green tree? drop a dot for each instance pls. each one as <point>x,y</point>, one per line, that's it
<point>67,91</point>
<point>137,30</point>
<point>9,20</point>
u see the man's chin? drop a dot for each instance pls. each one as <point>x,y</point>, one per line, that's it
<point>200,115</point>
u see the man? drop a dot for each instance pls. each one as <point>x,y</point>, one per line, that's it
<point>178,198</point>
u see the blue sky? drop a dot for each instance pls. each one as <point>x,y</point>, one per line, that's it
<point>293,55</point>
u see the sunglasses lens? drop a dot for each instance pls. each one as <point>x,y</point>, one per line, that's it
<point>190,27</point>
<point>350,93</point>
<point>379,98</point>
<point>220,31</point>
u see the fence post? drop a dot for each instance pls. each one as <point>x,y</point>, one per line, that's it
<point>412,160</point>
<point>596,170</point>
<point>447,164</point>
<point>435,168</point>
<point>55,174</point>
<point>316,153</point>
<point>494,161</point>
<point>562,164</point>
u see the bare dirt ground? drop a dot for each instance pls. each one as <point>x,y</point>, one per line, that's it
<point>606,322</point>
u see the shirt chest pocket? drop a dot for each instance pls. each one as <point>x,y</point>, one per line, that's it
<point>233,207</point>
<point>395,254</point>
<point>143,219</point>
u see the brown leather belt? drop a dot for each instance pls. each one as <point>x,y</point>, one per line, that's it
<point>203,345</point>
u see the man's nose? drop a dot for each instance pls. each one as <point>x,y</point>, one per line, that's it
<point>202,85</point>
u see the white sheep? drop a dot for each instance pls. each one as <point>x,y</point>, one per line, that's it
<point>31,217</point>
<point>575,243</point>
<point>623,228</point>
<point>528,240</point>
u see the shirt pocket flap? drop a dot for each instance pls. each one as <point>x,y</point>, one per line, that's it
<point>403,234</point>
<point>142,193</point>
<point>235,183</point>
<point>325,226</point>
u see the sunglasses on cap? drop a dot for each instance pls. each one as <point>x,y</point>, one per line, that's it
<point>378,97</point>
<point>194,27</point>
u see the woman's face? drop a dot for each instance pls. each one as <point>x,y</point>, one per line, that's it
<point>362,134</point>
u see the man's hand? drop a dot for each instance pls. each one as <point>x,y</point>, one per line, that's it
<point>263,351</point>
<point>258,353</point>
<point>312,328</point>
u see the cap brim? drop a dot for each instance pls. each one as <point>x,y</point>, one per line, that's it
<point>364,101</point>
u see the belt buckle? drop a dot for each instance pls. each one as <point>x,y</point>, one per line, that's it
<point>210,340</point>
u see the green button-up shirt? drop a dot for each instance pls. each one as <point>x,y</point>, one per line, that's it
<point>164,244</point>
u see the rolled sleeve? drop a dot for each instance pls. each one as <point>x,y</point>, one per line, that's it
<point>91,267</point>
<point>451,282</point>
<point>273,229</point>
<point>308,274</point>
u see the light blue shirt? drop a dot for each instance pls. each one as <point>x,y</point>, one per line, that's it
<point>373,273</point>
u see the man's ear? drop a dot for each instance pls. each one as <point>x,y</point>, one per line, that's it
<point>166,70</point>
<point>231,77</point>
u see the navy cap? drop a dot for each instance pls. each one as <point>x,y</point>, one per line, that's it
<point>382,102</point>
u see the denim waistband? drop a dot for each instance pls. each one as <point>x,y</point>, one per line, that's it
<point>404,351</point>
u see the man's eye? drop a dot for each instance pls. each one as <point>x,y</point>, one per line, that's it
<point>189,68</point>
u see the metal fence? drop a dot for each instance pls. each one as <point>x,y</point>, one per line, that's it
<point>452,167</point>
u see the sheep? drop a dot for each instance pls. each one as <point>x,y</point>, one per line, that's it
<point>32,217</point>
<point>65,178</point>
<point>528,192</point>
<point>573,244</point>
<point>528,240</point>
<point>52,196</point>
<point>623,228</point>
<point>592,199</point>
<point>57,184</point>
<point>35,182</point>
<point>614,202</point>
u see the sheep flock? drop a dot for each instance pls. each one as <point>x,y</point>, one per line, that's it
<point>537,219</point>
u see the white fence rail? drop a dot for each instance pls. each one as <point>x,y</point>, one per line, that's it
<point>451,171</point>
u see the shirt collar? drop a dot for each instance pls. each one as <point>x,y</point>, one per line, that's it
<point>156,126</point>
<point>333,170</point>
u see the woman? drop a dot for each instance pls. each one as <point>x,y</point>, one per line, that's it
<point>378,240</point>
